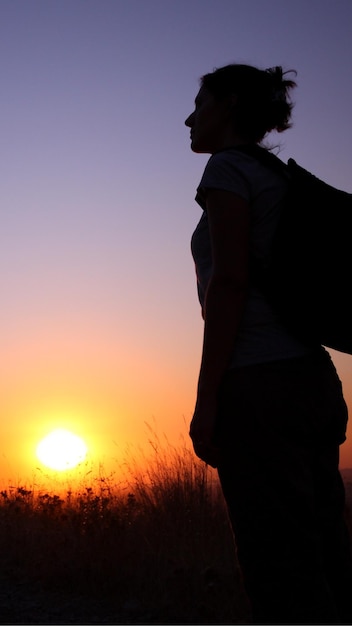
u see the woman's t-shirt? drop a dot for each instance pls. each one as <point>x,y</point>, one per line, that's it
<point>261,337</point>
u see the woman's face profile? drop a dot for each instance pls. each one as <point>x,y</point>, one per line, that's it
<point>208,122</point>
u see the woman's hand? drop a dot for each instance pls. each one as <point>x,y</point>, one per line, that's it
<point>202,432</point>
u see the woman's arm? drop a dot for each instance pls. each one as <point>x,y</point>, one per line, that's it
<point>228,218</point>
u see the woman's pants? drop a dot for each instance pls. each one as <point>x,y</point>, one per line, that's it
<point>279,429</point>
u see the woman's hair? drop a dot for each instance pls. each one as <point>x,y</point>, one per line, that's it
<point>262,101</point>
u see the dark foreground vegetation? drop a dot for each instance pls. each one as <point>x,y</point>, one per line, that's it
<point>156,550</point>
<point>153,549</point>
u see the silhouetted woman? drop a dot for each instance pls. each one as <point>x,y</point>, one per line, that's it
<point>270,412</point>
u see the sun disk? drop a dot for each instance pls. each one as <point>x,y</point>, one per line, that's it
<point>61,450</point>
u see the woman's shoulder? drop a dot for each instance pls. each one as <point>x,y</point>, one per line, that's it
<point>230,160</point>
<point>225,170</point>
<point>236,162</point>
<point>238,171</point>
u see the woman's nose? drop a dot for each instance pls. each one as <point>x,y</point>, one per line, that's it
<point>189,120</point>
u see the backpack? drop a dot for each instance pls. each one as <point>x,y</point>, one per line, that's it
<point>308,278</point>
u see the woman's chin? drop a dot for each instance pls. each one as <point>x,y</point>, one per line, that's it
<point>198,148</point>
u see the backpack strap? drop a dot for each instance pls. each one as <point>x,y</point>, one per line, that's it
<point>266,157</point>
<point>258,272</point>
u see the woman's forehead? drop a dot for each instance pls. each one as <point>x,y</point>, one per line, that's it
<point>202,94</point>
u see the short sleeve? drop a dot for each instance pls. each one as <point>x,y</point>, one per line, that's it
<point>224,170</point>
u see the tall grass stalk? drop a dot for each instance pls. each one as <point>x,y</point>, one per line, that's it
<point>155,548</point>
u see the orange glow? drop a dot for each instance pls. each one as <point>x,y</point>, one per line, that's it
<point>105,391</point>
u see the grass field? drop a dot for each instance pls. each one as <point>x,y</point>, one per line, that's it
<point>155,549</point>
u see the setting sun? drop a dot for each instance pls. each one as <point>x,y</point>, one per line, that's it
<point>61,450</point>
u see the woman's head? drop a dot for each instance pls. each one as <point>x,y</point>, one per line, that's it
<point>252,100</point>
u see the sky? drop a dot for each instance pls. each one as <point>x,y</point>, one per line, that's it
<point>100,326</point>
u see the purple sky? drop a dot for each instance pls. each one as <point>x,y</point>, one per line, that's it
<point>99,320</point>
